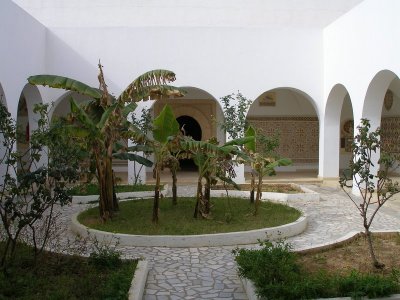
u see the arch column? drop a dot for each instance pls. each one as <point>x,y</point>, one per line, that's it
<point>31,95</point>
<point>330,135</point>
<point>3,166</point>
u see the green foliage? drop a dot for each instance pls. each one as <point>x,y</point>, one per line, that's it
<point>276,274</point>
<point>375,187</point>
<point>103,122</point>
<point>33,184</point>
<point>105,256</point>
<point>235,109</point>
<point>165,125</point>
<point>250,132</point>
<point>57,276</point>
<point>60,82</point>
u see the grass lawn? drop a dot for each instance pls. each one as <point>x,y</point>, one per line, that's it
<point>235,214</point>
<point>93,189</point>
<point>57,276</point>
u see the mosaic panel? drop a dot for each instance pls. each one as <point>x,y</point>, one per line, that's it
<point>299,136</point>
<point>390,134</point>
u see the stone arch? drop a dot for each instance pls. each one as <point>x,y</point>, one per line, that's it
<point>331,141</point>
<point>27,119</point>
<point>372,110</point>
<point>3,99</point>
<point>3,168</point>
<point>374,97</point>
<point>293,115</point>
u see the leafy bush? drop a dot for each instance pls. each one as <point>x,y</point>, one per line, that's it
<point>277,275</point>
<point>104,255</point>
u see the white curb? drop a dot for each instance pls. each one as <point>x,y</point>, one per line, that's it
<point>139,281</point>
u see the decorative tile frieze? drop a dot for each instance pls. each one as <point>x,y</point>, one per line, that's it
<point>299,136</point>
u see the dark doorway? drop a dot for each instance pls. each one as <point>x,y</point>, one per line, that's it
<point>190,127</point>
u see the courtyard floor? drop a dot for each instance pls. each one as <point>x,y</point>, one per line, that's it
<point>210,272</point>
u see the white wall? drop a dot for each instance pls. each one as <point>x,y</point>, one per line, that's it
<point>357,46</point>
<point>22,50</point>
<point>217,60</point>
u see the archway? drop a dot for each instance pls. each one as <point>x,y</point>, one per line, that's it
<point>337,133</point>
<point>390,121</point>
<point>3,168</point>
<point>382,108</point>
<point>291,114</point>
<point>199,105</point>
<point>27,123</point>
<point>190,127</point>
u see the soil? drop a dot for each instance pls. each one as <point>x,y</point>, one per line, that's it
<point>274,188</point>
<point>355,255</point>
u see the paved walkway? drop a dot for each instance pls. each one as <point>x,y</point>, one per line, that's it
<point>210,272</point>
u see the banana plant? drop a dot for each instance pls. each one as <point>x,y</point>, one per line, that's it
<point>103,121</point>
<point>214,162</point>
<point>263,162</point>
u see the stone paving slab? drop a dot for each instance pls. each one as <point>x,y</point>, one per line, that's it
<point>210,272</point>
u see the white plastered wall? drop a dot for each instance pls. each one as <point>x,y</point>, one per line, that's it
<point>357,47</point>
<point>218,60</point>
<point>22,51</point>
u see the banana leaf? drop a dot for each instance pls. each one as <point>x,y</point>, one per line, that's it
<point>69,84</point>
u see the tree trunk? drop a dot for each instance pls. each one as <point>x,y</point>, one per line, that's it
<point>199,195</point>
<point>109,186</point>
<point>174,188</point>
<point>252,187</point>
<point>375,261</point>
<point>156,202</point>
<point>258,195</point>
<point>115,199</point>
<point>207,196</point>
<point>103,194</point>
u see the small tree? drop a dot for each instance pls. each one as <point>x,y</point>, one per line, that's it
<point>144,124</point>
<point>28,195</point>
<point>264,160</point>
<point>235,108</point>
<point>375,189</point>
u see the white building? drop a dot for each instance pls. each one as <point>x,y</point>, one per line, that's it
<point>312,66</point>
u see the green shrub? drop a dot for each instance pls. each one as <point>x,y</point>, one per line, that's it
<point>276,274</point>
<point>104,256</point>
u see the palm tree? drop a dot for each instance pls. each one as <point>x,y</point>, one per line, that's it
<point>103,121</point>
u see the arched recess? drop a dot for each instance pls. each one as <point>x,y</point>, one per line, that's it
<point>2,96</point>
<point>201,106</point>
<point>292,114</point>
<point>61,106</point>
<point>337,133</point>
<point>27,121</point>
<point>189,127</point>
<point>382,108</point>
<point>2,165</point>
